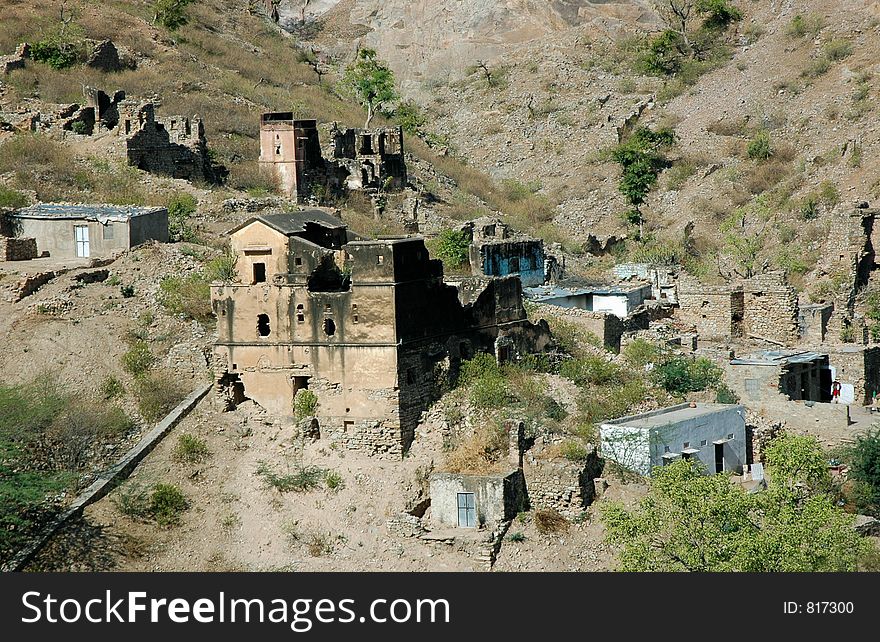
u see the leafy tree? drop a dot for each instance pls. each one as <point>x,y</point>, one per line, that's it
<point>61,46</point>
<point>865,470</point>
<point>171,14</point>
<point>180,208</point>
<point>718,14</point>
<point>744,239</point>
<point>452,247</point>
<point>691,521</point>
<point>370,81</point>
<point>641,158</point>
<point>681,375</point>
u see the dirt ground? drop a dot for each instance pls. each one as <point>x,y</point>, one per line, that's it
<point>236,522</point>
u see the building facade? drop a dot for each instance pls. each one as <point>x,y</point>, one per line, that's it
<point>364,324</point>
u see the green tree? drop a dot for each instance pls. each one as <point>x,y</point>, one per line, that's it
<point>370,81</point>
<point>452,247</point>
<point>744,238</point>
<point>691,521</point>
<point>865,470</point>
<point>171,14</point>
<point>180,208</point>
<point>641,159</point>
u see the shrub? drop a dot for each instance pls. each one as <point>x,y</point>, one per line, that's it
<point>487,385</point>
<point>127,291</point>
<point>221,268</point>
<point>318,544</point>
<point>12,198</point>
<point>189,296</point>
<point>452,247</point>
<point>549,522</point>
<point>191,449</point>
<point>592,370</point>
<point>55,52</point>
<point>132,500</point>
<point>171,14</point>
<point>641,352</point>
<point>725,395</point>
<point>138,359</point>
<point>865,469</point>
<point>801,26</point>
<point>554,410</point>
<point>167,502</point>
<point>837,49</point>
<point>304,478</point>
<point>680,375</point>
<point>760,148</point>
<point>156,396</point>
<point>305,402</point>
<point>111,388</point>
<point>180,208</point>
<point>334,481</point>
<point>573,450</point>
<point>516,537</point>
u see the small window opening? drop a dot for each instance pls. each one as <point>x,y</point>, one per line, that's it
<point>300,315</point>
<point>259,272</point>
<point>730,436</point>
<point>298,261</point>
<point>329,327</point>
<point>354,312</point>
<point>108,232</point>
<point>263,325</point>
<point>380,260</point>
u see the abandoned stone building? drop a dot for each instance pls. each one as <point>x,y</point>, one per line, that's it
<point>714,434</point>
<point>796,375</point>
<point>496,251</point>
<point>372,158</point>
<point>174,146</point>
<point>358,159</point>
<point>364,324</point>
<point>663,279</point>
<point>764,307</point>
<point>67,230</point>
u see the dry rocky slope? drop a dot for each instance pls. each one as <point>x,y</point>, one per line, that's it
<point>567,87</point>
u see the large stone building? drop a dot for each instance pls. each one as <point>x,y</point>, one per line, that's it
<point>496,251</point>
<point>364,324</point>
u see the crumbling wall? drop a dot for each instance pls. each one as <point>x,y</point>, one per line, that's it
<point>16,60</point>
<point>564,486</point>
<point>813,320</point>
<point>175,146</point>
<point>715,311</point>
<point>770,308</point>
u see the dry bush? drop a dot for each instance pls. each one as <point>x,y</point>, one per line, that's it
<point>479,454</point>
<point>550,522</point>
<point>250,177</point>
<point>766,176</point>
<point>725,127</point>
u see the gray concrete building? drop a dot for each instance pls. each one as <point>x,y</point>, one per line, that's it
<point>64,230</point>
<point>474,501</point>
<point>714,434</point>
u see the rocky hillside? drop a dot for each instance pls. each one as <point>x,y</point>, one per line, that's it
<point>566,81</point>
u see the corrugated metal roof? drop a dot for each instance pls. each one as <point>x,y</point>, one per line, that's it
<point>84,211</point>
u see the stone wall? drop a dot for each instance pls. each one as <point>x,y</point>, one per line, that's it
<point>17,249</point>
<point>813,320</point>
<point>715,311</point>
<point>770,308</point>
<point>564,486</point>
<point>16,60</point>
<point>175,146</point>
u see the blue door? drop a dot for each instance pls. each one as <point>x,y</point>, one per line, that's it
<point>467,510</point>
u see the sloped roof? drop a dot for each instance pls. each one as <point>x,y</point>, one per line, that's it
<point>291,223</point>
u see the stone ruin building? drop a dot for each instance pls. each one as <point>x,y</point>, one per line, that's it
<point>369,326</point>
<point>496,251</point>
<point>358,159</point>
<point>173,146</point>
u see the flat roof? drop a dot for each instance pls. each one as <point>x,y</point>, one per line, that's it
<point>63,211</point>
<point>540,292</point>
<point>671,415</point>
<point>777,358</point>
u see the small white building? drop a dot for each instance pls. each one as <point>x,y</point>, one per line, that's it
<point>715,434</point>
<point>619,300</point>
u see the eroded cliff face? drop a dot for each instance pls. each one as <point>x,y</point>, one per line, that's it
<point>427,39</point>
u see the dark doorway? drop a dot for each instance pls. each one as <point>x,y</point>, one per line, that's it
<point>825,385</point>
<point>329,327</point>
<point>259,272</point>
<point>719,458</point>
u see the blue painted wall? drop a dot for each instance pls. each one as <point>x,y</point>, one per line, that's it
<point>525,259</point>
